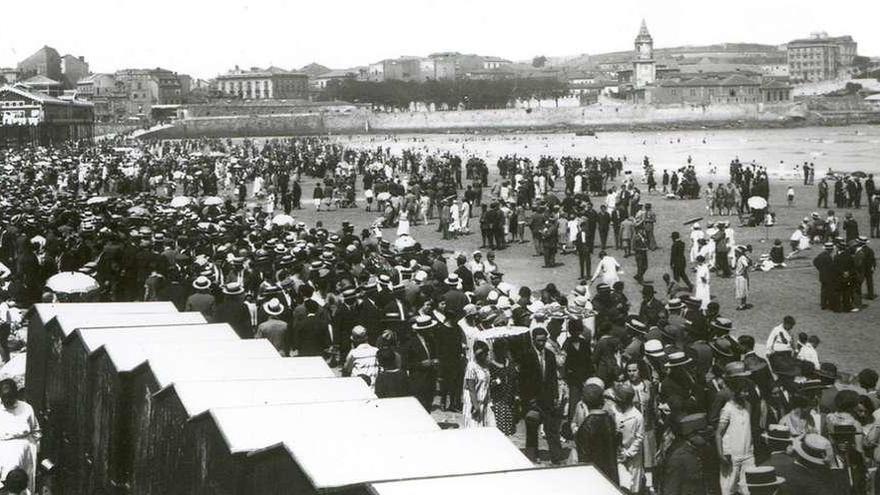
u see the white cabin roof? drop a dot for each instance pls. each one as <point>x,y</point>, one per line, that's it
<point>47,311</point>
<point>395,457</point>
<point>199,396</point>
<point>69,323</point>
<point>249,428</point>
<point>169,369</point>
<point>127,355</point>
<point>568,480</point>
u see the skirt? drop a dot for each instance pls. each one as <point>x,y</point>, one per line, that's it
<point>741,287</point>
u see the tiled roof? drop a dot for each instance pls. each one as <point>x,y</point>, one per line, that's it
<point>40,80</point>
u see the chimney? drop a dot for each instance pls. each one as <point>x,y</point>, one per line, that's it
<point>82,58</point>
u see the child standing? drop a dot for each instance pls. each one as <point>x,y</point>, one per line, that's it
<point>790,195</point>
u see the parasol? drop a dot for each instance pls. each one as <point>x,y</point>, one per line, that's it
<point>180,201</point>
<point>283,220</point>
<point>491,334</point>
<point>693,221</point>
<point>404,242</point>
<point>212,201</point>
<point>757,203</point>
<point>383,196</point>
<point>97,200</point>
<point>71,283</point>
<point>138,211</point>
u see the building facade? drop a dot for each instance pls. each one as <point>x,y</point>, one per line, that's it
<point>32,119</point>
<point>8,75</point>
<point>820,57</point>
<point>644,66</point>
<point>108,96</point>
<point>141,90</point>
<point>44,62</point>
<point>72,70</point>
<point>719,89</point>
<point>263,84</point>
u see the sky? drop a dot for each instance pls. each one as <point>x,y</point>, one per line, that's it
<point>205,38</point>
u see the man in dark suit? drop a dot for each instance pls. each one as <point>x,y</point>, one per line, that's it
<point>344,319</point>
<point>603,221</point>
<point>845,268</point>
<point>584,251</point>
<point>828,276</point>
<point>865,263</point>
<point>678,262</point>
<point>536,225</point>
<point>312,333</point>
<point>422,361</point>
<point>464,274</point>
<point>367,313</point>
<point>538,392</point>
<point>454,298</point>
<point>233,311</point>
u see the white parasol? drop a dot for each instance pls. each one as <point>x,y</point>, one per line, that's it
<point>757,203</point>
<point>404,242</point>
<point>71,283</point>
<point>383,196</point>
<point>212,201</point>
<point>180,201</point>
<point>97,200</point>
<point>283,220</point>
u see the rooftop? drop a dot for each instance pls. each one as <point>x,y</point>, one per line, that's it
<point>43,98</point>
<point>39,80</point>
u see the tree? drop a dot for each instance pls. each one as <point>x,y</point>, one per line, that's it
<point>539,61</point>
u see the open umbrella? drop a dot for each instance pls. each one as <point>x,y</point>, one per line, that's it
<point>97,200</point>
<point>212,201</point>
<point>404,242</point>
<point>757,203</point>
<point>180,201</point>
<point>283,220</point>
<point>383,196</point>
<point>71,283</point>
<point>138,211</point>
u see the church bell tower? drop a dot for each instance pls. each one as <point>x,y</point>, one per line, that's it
<point>644,69</point>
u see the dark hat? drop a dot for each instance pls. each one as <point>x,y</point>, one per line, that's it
<point>603,287</point>
<point>692,423</point>
<point>827,371</point>
<point>16,478</point>
<point>723,347</point>
<point>762,476</point>
<point>778,433</point>
<point>721,324</point>
<point>841,430</point>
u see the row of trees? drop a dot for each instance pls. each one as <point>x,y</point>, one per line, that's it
<point>466,93</point>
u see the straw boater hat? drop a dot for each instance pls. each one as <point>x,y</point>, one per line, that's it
<point>654,348</point>
<point>762,476</point>
<point>424,322</point>
<point>723,325</point>
<point>273,307</point>
<point>677,358</point>
<point>452,280</point>
<point>812,448</point>
<point>201,283</point>
<point>233,289</point>
<point>777,433</point>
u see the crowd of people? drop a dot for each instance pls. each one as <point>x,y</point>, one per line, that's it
<point>661,394</point>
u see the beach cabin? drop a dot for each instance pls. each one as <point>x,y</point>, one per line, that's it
<point>56,382</point>
<point>37,345</point>
<point>161,371</point>
<point>222,438</point>
<point>345,465</point>
<point>107,435</point>
<point>563,480</point>
<point>172,458</point>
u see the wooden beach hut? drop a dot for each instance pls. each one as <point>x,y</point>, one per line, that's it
<point>107,435</point>
<point>81,415</point>
<point>562,480</point>
<point>170,457</point>
<point>38,347</point>
<point>56,382</point>
<point>161,371</point>
<point>344,465</point>
<point>220,439</point>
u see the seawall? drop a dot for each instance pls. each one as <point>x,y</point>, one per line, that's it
<point>594,117</point>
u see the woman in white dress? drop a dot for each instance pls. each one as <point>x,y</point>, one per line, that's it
<point>701,284</point>
<point>608,269</point>
<point>403,223</point>
<point>465,217</point>
<point>696,235</point>
<point>455,220</point>
<point>475,398</point>
<point>19,434</point>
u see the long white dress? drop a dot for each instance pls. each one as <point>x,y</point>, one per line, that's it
<point>480,377</point>
<point>465,217</point>
<point>455,221</point>
<point>701,285</point>
<point>607,271</point>
<point>696,235</point>
<point>19,436</point>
